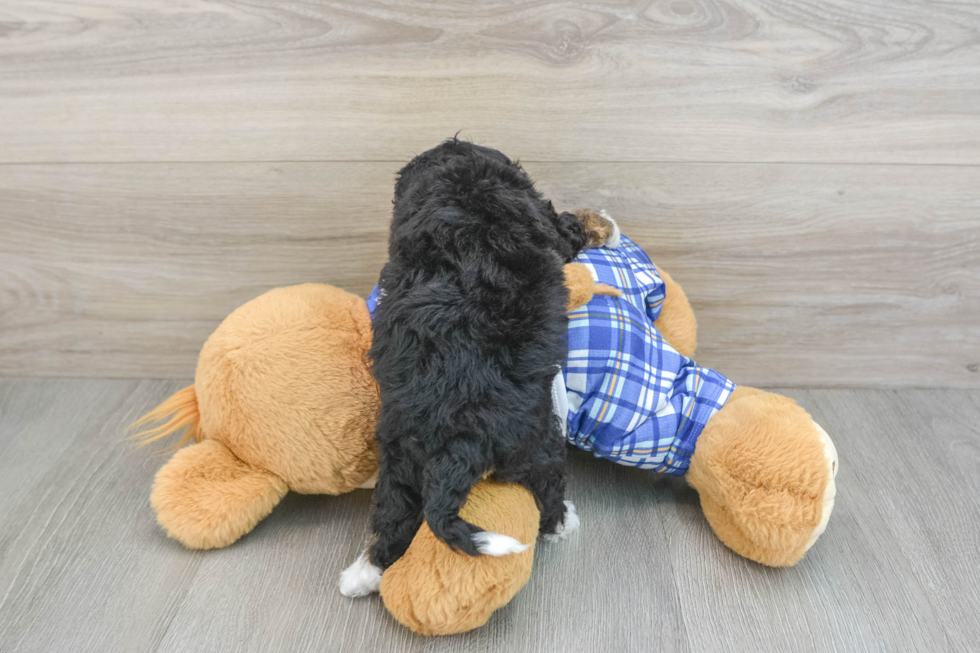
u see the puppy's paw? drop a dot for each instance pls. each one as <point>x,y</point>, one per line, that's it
<point>361,578</point>
<point>497,545</point>
<point>572,524</point>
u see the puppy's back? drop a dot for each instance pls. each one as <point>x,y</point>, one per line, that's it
<point>470,325</point>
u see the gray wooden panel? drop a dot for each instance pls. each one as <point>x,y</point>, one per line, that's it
<point>82,563</point>
<point>803,275</point>
<point>83,566</point>
<point>613,80</point>
<point>125,270</point>
<point>924,482</point>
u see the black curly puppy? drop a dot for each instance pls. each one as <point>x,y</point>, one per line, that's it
<point>468,336</point>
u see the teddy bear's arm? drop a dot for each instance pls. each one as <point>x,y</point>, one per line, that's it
<point>581,286</point>
<point>677,322</point>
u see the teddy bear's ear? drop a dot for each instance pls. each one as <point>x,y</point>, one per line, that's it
<point>206,497</point>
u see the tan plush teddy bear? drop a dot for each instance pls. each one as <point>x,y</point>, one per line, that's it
<point>283,400</point>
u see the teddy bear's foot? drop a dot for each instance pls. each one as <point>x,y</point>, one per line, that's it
<point>830,493</point>
<point>436,591</point>
<point>571,524</point>
<point>361,578</point>
<point>765,471</point>
<point>206,497</point>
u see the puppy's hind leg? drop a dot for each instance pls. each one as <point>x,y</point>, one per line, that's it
<point>397,517</point>
<point>567,526</point>
<point>545,479</point>
<point>559,518</point>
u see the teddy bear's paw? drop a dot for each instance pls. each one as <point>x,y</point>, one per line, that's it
<point>572,523</point>
<point>830,492</point>
<point>764,471</point>
<point>361,578</point>
<point>615,238</point>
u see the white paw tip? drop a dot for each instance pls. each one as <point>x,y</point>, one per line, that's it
<point>572,524</point>
<point>496,544</point>
<point>614,240</point>
<point>360,579</point>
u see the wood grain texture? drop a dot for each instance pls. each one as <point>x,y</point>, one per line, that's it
<point>799,274</point>
<point>84,567</point>
<point>80,566</point>
<point>613,80</point>
<point>939,465</point>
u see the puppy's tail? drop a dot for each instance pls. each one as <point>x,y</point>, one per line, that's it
<point>450,478</point>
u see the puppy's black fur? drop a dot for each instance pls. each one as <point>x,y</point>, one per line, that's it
<point>468,335</point>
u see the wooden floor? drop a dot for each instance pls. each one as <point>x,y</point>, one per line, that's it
<point>84,567</point>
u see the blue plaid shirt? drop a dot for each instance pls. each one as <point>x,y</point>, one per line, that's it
<point>631,397</point>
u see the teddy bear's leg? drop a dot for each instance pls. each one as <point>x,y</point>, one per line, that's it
<point>206,498</point>
<point>765,471</point>
<point>676,322</point>
<point>435,591</point>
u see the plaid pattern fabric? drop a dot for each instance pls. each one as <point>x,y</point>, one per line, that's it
<point>372,300</point>
<point>631,397</point>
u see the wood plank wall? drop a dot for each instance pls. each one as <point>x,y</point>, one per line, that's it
<point>809,171</point>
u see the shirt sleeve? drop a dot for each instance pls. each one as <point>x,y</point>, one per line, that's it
<point>655,297</point>
<point>648,281</point>
<point>372,301</point>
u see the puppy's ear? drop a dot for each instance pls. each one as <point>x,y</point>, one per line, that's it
<point>600,229</point>
<point>571,236</point>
